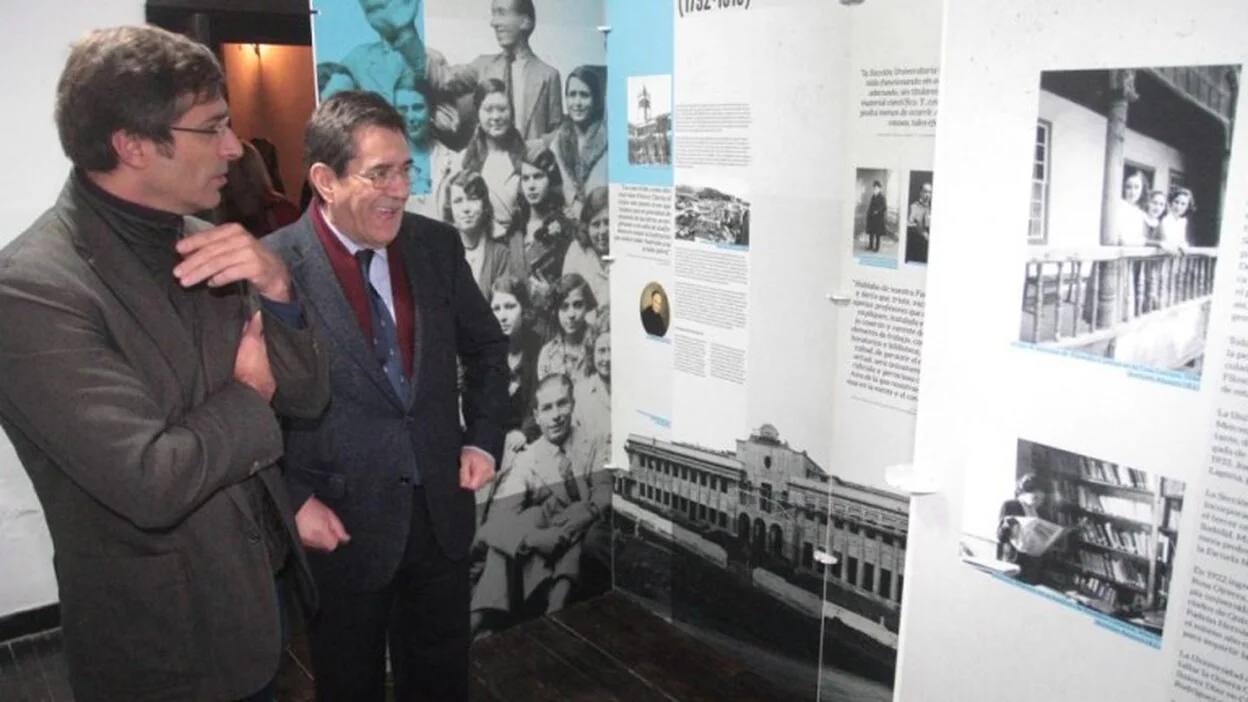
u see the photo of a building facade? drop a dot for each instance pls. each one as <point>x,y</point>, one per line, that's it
<point>701,534</point>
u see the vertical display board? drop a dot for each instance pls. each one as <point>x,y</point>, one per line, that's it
<point>753,434</point>
<point>1083,405</point>
<point>505,103</point>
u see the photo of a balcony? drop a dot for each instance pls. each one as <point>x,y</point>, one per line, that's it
<point>1128,189</point>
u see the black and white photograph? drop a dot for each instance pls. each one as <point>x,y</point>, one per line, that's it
<point>514,97</point>
<point>703,535</point>
<point>1128,179</point>
<point>358,48</point>
<point>918,217</point>
<point>712,215</point>
<point>650,120</point>
<point>875,213</point>
<point>656,314</point>
<point>1097,534</point>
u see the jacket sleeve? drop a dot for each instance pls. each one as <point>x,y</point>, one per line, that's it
<point>300,368</point>
<point>483,348</point>
<point>67,390</point>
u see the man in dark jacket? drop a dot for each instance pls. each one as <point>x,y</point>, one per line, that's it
<point>142,357</point>
<point>384,481</point>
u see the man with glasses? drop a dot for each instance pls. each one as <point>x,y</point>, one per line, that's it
<point>144,357</point>
<point>383,482</point>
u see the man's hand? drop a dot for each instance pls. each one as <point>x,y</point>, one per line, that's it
<point>446,119</point>
<point>227,254</point>
<point>251,363</point>
<point>319,528</point>
<point>475,470</point>
<point>391,18</point>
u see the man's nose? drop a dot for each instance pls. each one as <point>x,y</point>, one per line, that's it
<point>231,147</point>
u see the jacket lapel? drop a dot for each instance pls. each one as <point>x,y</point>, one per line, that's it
<point>534,94</point>
<point>423,284</point>
<point>134,288</point>
<point>319,288</point>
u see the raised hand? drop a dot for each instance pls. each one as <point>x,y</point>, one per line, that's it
<point>390,18</point>
<point>228,254</point>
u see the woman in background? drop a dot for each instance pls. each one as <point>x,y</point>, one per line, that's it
<point>509,299</point>
<point>580,142</point>
<point>571,302</point>
<point>467,206</point>
<point>591,241</point>
<point>496,150</point>
<point>540,230</point>
<point>592,412</point>
<point>1174,227</point>
<point>249,199</point>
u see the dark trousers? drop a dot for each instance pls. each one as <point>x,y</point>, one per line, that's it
<point>422,615</point>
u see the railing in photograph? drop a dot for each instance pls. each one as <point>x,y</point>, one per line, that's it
<point>1081,295</point>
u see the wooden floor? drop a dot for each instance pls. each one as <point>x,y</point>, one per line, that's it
<point>606,649</point>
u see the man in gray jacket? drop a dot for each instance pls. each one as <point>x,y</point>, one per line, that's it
<point>144,357</point>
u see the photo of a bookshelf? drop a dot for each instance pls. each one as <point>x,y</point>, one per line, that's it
<point>1098,534</point>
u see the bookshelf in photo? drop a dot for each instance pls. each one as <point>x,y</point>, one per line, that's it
<point>1119,559</point>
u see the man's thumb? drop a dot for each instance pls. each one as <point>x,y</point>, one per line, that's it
<point>255,325</point>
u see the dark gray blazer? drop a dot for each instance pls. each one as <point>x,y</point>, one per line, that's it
<point>165,586</point>
<point>357,457</point>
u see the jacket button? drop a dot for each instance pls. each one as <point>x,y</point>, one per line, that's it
<point>253,538</point>
<point>405,480</point>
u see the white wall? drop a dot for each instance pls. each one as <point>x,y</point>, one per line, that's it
<point>1077,166</point>
<point>34,39</point>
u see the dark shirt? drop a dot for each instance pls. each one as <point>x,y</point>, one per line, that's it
<point>653,322</point>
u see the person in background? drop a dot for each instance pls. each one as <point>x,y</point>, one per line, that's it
<point>877,212</point>
<point>1031,499</point>
<point>496,150</point>
<point>571,304</point>
<point>268,151</point>
<point>144,359</point>
<point>580,142</point>
<point>384,481</point>
<point>591,242</point>
<point>652,315</point>
<point>540,232</point>
<point>468,209</point>
<point>249,199</point>
<point>919,226</point>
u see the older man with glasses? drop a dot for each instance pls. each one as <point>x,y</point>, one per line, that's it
<point>144,360</point>
<point>384,482</point>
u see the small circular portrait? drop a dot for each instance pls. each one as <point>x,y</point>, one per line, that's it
<point>655,314</point>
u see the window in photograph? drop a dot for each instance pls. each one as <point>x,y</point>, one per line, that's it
<point>1038,233</point>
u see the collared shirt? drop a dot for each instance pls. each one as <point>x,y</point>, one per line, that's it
<point>378,270</point>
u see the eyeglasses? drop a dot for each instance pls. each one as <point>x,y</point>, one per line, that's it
<point>217,131</point>
<point>382,177</point>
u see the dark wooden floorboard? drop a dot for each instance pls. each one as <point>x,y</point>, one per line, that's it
<point>31,684</point>
<point>608,649</point>
<point>613,675</point>
<point>10,677</point>
<point>52,662</point>
<point>479,691</point>
<point>522,670</point>
<point>676,663</point>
